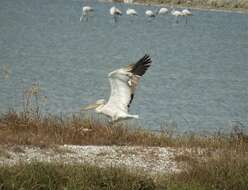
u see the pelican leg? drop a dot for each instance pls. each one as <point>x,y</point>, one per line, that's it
<point>127,116</point>
<point>186,20</point>
<point>133,116</point>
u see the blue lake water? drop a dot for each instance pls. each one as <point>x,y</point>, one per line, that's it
<point>198,80</point>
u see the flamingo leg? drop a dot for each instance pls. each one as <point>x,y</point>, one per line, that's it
<point>115,18</point>
<point>81,18</point>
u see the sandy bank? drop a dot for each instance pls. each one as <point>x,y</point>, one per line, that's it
<point>148,159</point>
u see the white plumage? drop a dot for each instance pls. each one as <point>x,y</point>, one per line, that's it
<point>131,12</point>
<point>163,11</point>
<point>176,14</point>
<point>128,1</point>
<point>123,83</point>
<point>115,12</point>
<point>186,12</point>
<point>86,10</point>
<point>149,13</point>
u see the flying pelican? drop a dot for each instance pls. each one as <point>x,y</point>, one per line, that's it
<point>186,13</point>
<point>163,11</point>
<point>115,12</point>
<point>131,12</point>
<point>123,83</point>
<point>86,10</point>
<point>176,14</point>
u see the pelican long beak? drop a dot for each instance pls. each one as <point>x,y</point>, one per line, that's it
<point>89,107</point>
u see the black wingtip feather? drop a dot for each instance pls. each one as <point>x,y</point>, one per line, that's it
<point>142,65</point>
<point>131,99</point>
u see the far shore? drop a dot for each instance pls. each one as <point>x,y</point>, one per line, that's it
<point>213,5</point>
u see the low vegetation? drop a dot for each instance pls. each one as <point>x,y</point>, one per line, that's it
<point>209,162</point>
<point>230,173</point>
<point>28,129</point>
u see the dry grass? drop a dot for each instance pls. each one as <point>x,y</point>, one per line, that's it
<point>19,128</point>
<point>213,162</point>
<point>226,170</point>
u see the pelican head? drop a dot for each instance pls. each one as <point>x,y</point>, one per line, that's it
<point>97,105</point>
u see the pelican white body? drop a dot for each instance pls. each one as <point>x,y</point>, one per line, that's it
<point>123,83</point>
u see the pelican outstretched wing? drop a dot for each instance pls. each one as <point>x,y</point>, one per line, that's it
<point>124,81</point>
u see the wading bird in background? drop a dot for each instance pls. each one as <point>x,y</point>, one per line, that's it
<point>186,13</point>
<point>131,12</point>
<point>163,11</point>
<point>6,71</point>
<point>176,14</point>
<point>150,14</point>
<point>123,83</point>
<point>115,13</point>
<point>128,1</point>
<point>86,10</point>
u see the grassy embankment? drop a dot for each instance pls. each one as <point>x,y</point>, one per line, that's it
<point>212,162</point>
<point>222,163</point>
<point>205,4</point>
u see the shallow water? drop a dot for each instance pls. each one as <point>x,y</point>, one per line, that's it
<point>198,81</point>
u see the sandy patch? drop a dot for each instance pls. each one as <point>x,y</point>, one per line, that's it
<point>149,159</point>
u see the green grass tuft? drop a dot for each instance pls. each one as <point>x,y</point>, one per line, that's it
<point>59,176</point>
<point>208,175</point>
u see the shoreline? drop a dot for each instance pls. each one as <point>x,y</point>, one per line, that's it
<point>227,10</point>
<point>184,5</point>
